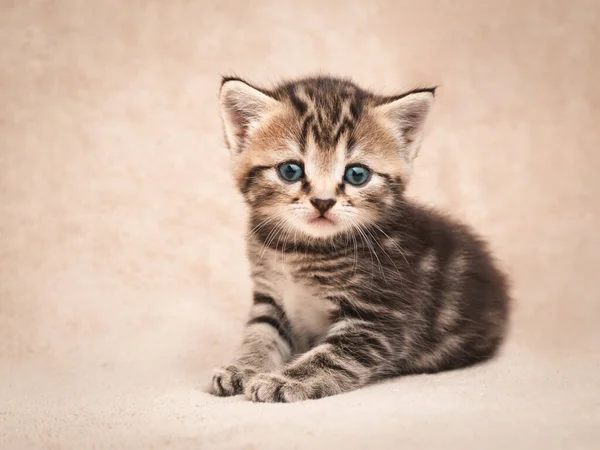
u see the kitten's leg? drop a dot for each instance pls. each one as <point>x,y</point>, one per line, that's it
<point>267,345</point>
<point>353,353</point>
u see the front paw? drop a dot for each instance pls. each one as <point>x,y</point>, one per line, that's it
<point>275,388</point>
<point>230,380</point>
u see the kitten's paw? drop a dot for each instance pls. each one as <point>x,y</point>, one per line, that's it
<point>230,380</point>
<point>274,388</point>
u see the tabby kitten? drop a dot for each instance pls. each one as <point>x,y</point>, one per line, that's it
<point>352,281</point>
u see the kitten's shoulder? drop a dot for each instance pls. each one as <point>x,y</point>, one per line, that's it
<point>431,227</point>
<point>428,218</point>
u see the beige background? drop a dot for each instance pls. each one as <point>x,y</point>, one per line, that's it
<point>122,271</point>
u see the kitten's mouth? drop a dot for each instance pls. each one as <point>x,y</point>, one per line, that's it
<point>321,220</point>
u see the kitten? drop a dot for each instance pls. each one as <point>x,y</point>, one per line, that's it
<point>352,281</point>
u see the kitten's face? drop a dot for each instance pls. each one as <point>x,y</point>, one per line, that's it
<point>320,157</point>
<point>318,189</point>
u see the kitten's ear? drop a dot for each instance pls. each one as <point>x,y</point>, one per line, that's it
<point>407,116</point>
<point>242,109</point>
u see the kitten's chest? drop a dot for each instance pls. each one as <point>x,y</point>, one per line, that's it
<point>303,300</point>
<point>308,312</point>
<point>305,305</point>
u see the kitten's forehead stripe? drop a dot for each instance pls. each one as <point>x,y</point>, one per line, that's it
<point>300,105</point>
<point>328,108</point>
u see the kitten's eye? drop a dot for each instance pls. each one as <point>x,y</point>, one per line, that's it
<point>290,171</point>
<point>357,175</point>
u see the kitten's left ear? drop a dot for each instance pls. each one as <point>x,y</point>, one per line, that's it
<point>407,116</point>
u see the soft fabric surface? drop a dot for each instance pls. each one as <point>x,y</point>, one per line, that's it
<point>123,279</point>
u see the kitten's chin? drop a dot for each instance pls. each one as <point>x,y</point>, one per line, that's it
<point>319,227</point>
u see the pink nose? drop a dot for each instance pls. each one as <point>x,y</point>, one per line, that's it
<point>323,204</point>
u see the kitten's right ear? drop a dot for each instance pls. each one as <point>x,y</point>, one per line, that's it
<point>243,108</point>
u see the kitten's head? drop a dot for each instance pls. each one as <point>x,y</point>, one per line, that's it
<point>320,156</point>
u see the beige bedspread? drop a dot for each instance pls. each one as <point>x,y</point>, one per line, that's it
<point>123,280</point>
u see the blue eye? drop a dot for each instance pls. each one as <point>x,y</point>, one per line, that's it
<point>290,172</point>
<point>357,175</point>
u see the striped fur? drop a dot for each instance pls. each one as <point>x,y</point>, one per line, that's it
<point>383,287</point>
